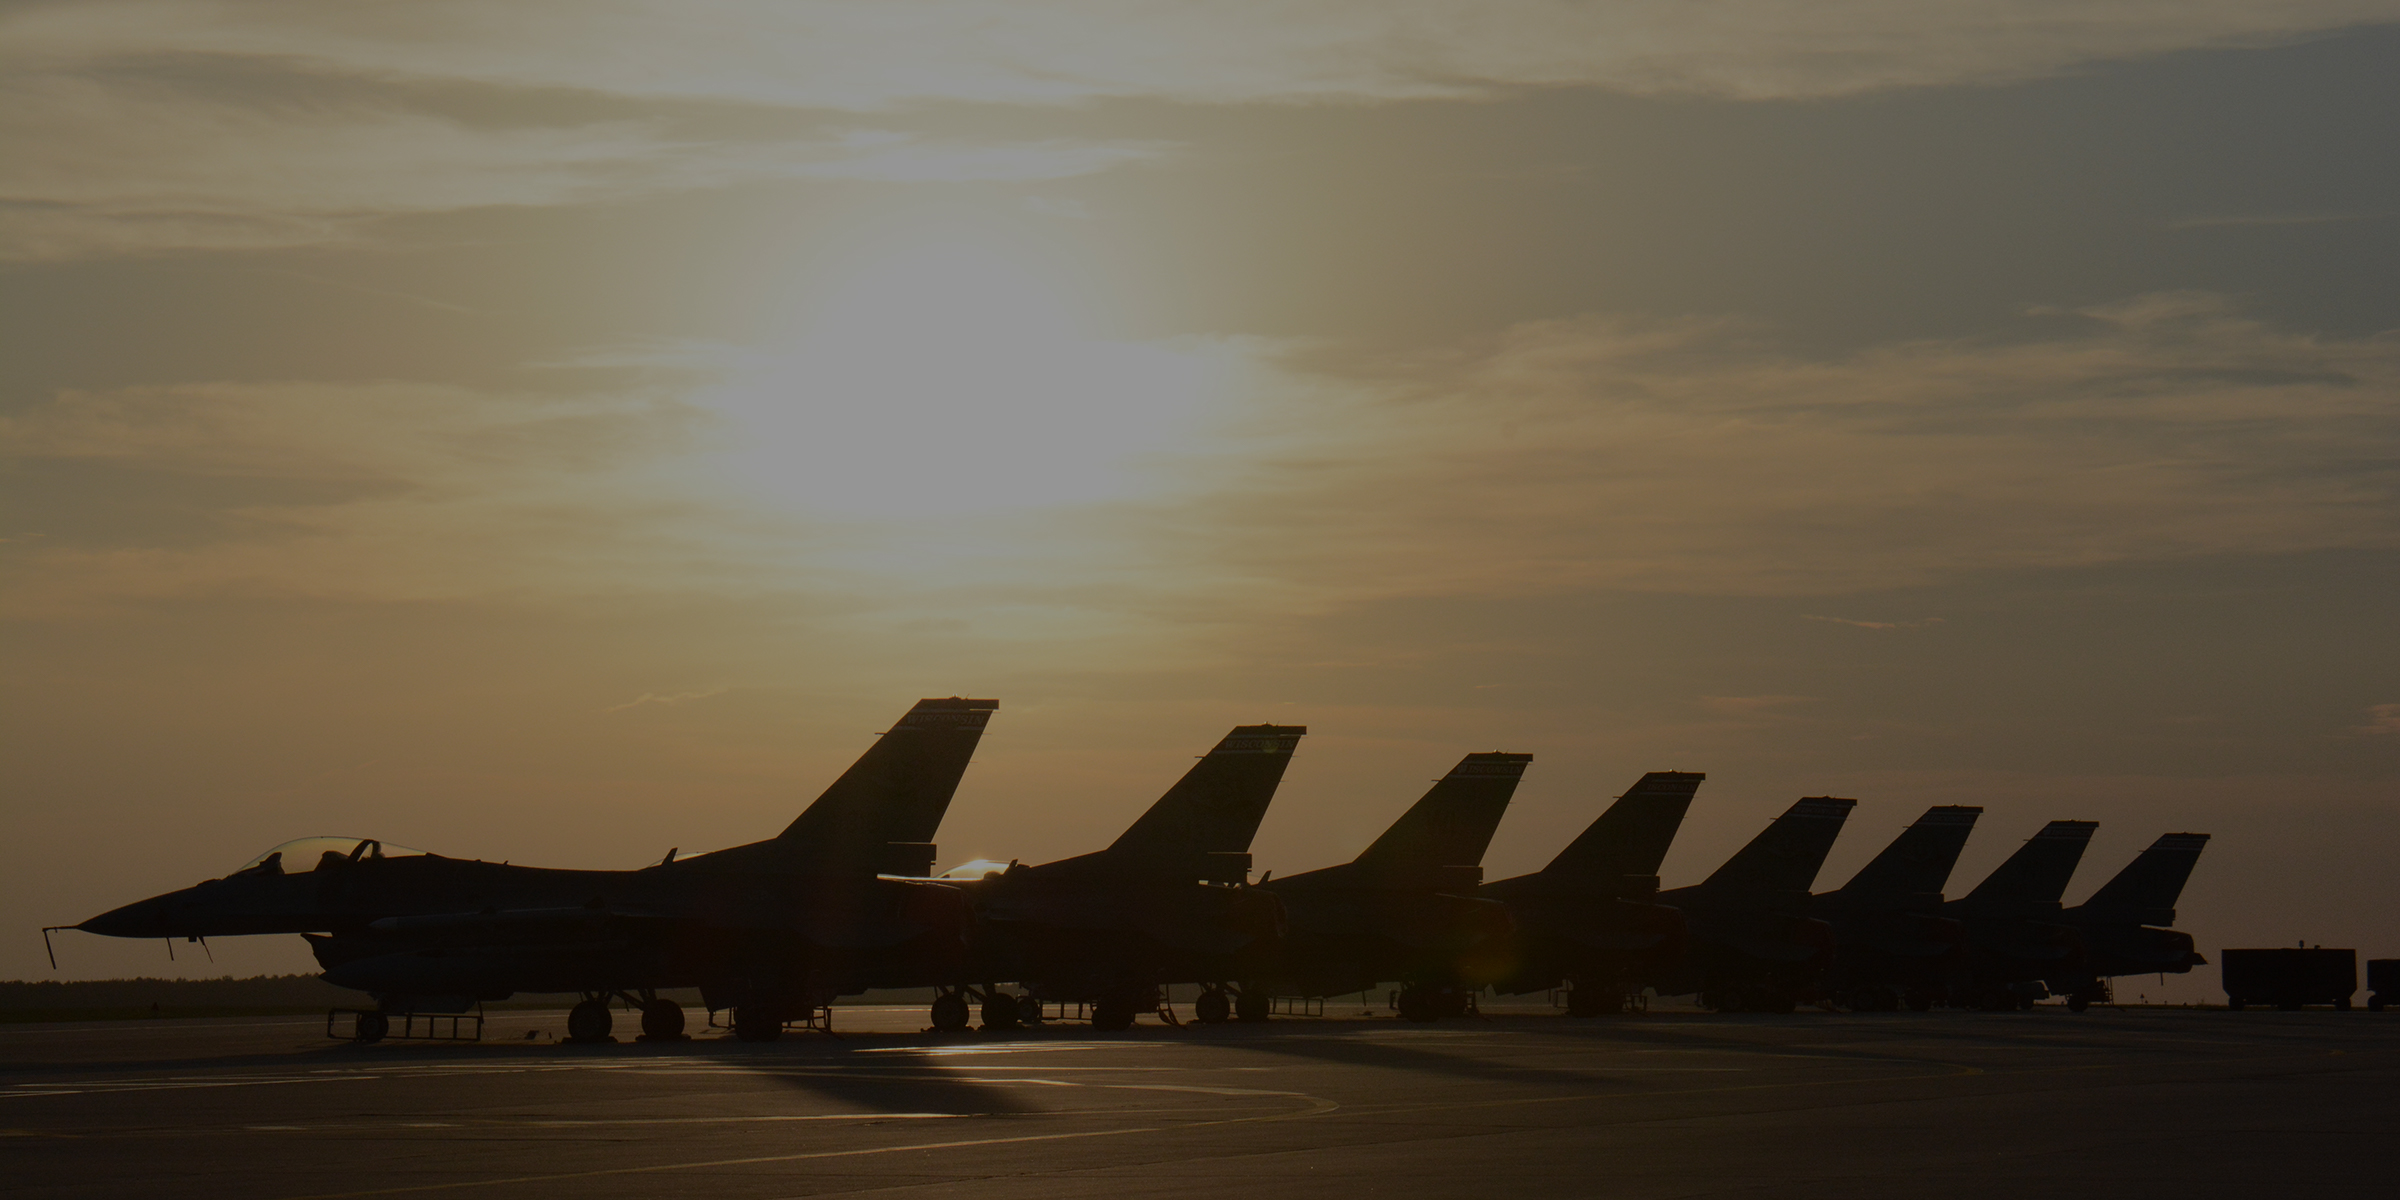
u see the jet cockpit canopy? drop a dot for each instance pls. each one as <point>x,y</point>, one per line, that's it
<point>981,868</point>
<point>312,853</point>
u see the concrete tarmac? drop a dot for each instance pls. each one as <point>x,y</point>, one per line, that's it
<point>1520,1103</point>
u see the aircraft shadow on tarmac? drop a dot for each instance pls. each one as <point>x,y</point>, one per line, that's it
<point>899,1087</point>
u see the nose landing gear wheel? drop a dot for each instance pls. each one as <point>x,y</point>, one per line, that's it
<point>1418,1004</point>
<point>371,1027</point>
<point>950,1012</point>
<point>1213,1008</point>
<point>999,1011</point>
<point>589,1022</point>
<point>662,1021</point>
<point>1112,1015</point>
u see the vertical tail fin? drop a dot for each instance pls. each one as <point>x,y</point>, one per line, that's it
<point>1918,862</point>
<point>2038,872</point>
<point>1214,810</point>
<point>885,808</point>
<point>1784,858</point>
<point>2146,890</point>
<point>1632,836</point>
<point>1442,837</point>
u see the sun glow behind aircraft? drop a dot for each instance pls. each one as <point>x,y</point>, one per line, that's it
<point>950,377</point>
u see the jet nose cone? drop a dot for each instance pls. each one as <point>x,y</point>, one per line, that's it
<point>141,919</point>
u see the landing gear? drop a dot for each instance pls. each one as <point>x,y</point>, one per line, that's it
<point>950,1012</point>
<point>589,1021</point>
<point>662,1021</point>
<point>1419,1004</point>
<point>999,1010</point>
<point>2237,1004</point>
<point>371,1027</point>
<point>1113,1015</point>
<point>1029,1009</point>
<point>1213,1007</point>
<point>1251,1006</point>
<point>757,1023</point>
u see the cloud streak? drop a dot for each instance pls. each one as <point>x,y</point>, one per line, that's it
<point>138,126</point>
<point>870,54</point>
<point>122,166</point>
<point>1604,453</point>
<point>1562,456</point>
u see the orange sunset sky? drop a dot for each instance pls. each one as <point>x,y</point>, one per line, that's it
<point>558,432</point>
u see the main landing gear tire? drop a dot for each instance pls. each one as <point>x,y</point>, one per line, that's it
<point>757,1023</point>
<point>1419,1004</point>
<point>950,1012</point>
<point>999,1011</point>
<point>1113,1015</point>
<point>1029,1010</point>
<point>1213,1007</point>
<point>1250,1007</point>
<point>371,1027</point>
<point>589,1022</point>
<point>662,1020</point>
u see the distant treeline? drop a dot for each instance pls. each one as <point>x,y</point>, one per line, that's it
<point>258,991</point>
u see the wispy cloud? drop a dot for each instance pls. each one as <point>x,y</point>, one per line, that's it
<point>1604,453</point>
<point>1563,456</point>
<point>142,125</point>
<point>117,166</point>
<point>868,54</point>
<point>2270,219</point>
<point>2382,719</point>
<point>667,700</point>
<point>1928,621</point>
<point>1751,706</point>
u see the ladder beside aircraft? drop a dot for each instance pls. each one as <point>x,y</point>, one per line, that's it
<point>372,1025</point>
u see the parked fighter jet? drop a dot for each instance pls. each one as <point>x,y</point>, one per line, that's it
<point>2123,924</point>
<point>2015,937</point>
<point>1168,902</point>
<point>1403,910</point>
<point>773,928</point>
<point>1754,948</point>
<point>1891,946</point>
<point>1589,920</point>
